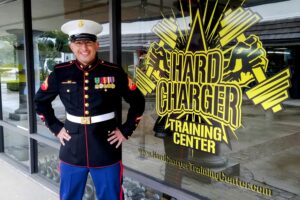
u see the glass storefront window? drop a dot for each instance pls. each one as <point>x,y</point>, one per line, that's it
<point>258,159</point>
<point>136,190</point>
<point>48,168</point>
<point>48,163</point>
<point>138,20</point>
<point>12,64</point>
<point>16,147</point>
<point>179,146</point>
<point>281,57</point>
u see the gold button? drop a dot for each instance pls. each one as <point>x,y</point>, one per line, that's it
<point>86,88</point>
<point>68,90</point>
<point>86,112</point>
<point>86,104</point>
<point>81,66</point>
<point>86,96</point>
<point>86,81</point>
<point>86,73</point>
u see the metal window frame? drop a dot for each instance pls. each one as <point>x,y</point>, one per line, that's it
<point>114,9</point>
<point>29,61</point>
<point>1,118</point>
<point>28,44</point>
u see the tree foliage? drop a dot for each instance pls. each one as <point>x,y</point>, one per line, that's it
<point>50,45</point>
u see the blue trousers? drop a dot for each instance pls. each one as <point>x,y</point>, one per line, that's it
<point>107,181</point>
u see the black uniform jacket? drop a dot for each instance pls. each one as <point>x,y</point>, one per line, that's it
<point>89,91</point>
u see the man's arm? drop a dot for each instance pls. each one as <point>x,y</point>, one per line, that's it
<point>136,101</point>
<point>43,99</point>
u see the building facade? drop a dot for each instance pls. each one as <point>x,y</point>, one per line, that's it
<point>200,138</point>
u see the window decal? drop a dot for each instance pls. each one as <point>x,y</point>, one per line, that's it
<point>198,73</point>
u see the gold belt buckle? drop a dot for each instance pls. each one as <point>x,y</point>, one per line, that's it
<point>85,120</point>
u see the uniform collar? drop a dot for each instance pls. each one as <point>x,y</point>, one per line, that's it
<point>86,67</point>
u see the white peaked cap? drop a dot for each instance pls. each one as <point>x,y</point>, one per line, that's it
<point>81,26</point>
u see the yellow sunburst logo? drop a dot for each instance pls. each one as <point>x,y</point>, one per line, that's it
<point>198,74</point>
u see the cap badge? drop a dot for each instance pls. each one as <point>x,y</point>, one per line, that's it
<point>80,23</point>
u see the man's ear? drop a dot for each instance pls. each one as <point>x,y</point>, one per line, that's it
<point>71,46</point>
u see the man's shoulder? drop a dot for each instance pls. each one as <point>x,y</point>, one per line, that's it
<point>65,64</point>
<point>110,65</point>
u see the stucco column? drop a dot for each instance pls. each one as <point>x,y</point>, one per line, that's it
<point>21,112</point>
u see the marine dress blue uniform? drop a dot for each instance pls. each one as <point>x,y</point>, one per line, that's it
<point>89,94</point>
<point>92,96</point>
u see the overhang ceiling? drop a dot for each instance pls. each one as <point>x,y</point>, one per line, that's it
<point>50,14</point>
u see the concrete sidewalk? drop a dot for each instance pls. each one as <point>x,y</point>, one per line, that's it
<point>16,185</point>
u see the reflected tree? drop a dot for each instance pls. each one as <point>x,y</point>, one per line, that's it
<point>50,45</point>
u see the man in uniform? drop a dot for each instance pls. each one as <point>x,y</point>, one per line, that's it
<point>91,91</point>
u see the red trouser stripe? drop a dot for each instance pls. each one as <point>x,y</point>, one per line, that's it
<point>121,180</point>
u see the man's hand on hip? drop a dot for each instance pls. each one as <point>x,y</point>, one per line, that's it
<point>116,136</point>
<point>63,135</point>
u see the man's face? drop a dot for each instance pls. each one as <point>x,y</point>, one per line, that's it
<point>84,50</point>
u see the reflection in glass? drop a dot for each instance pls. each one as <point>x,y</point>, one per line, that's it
<point>16,146</point>
<point>48,168</point>
<point>263,142</point>
<point>12,64</point>
<point>50,49</point>
<point>135,190</point>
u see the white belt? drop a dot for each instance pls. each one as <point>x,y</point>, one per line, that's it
<point>90,120</point>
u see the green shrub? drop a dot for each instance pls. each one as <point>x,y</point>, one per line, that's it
<point>13,85</point>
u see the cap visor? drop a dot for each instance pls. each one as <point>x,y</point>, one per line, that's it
<point>84,36</point>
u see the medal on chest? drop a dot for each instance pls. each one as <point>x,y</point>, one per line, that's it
<point>105,83</point>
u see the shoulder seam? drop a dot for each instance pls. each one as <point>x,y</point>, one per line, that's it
<point>110,66</point>
<point>107,65</point>
<point>65,65</point>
